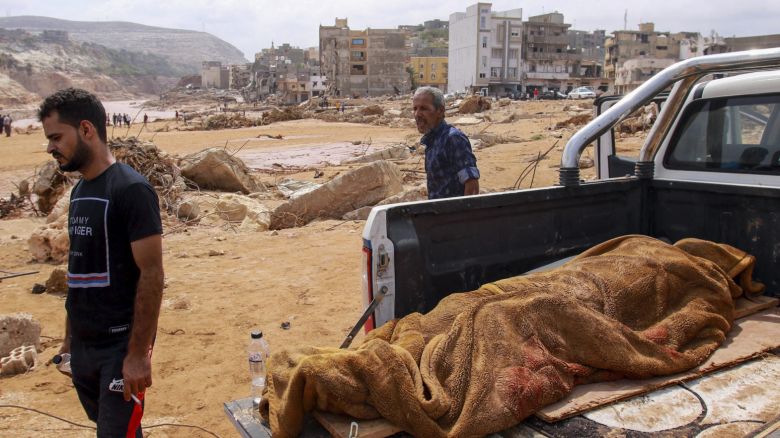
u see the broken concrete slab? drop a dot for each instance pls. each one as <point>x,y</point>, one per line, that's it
<point>363,186</point>
<point>16,330</point>
<point>397,152</point>
<point>292,188</point>
<point>50,243</point>
<point>19,361</point>
<point>419,193</point>
<point>216,169</point>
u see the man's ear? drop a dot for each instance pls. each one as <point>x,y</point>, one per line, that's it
<point>87,129</point>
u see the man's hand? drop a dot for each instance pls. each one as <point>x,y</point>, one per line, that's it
<point>471,187</point>
<point>137,372</point>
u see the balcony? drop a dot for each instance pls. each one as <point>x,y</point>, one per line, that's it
<point>553,56</point>
<point>545,39</point>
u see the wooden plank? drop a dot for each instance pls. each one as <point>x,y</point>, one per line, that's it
<point>750,337</point>
<point>338,426</point>
<point>744,307</point>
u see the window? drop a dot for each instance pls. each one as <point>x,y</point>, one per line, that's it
<point>482,22</point>
<point>433,76</point>
<point>738,134</point>
<point>495,72</point>
<point>484,42</point>
<point>514,33</point>
<point>357,69</point>
<point>482,75</point>
<point>433,66</point>
<point>422,76</point>
<point>484,61</point>
<point>422,66</point>
<point>512,72</point>
<point>358,42</point>
<point>513,53</point>
<point>358,55</point>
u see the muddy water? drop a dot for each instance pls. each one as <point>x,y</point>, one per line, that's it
<point>133,108</point>
<point>309,155</point>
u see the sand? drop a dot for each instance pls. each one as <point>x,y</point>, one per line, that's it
<point>309,276</point>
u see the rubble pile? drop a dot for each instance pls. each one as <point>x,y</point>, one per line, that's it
<point>12,206</point>
<point>277,115</point>
<point>474,104</point>
<point>160,169</point>
<point>373,110</point>
<point>573,122</point>
<point>639,121</point>
<point>229,121</point>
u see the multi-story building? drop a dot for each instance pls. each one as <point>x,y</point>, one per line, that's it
<point>631,56</point>
<point>430,71</point>
<point>484,50</point>
<point>214,75</point>
<point>367,62</point>
<point>548,62</point>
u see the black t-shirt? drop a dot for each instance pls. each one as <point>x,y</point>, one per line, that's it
<point>106,214</point>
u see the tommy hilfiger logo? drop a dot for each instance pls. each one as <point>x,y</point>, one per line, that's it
<point>118,329</point>
<point>117,385</point>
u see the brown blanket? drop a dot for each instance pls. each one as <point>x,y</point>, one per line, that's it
<point>482,361</point>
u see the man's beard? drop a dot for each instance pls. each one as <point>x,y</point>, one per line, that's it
<point>80,157</point>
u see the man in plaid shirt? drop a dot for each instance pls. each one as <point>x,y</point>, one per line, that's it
<point>450,165</point>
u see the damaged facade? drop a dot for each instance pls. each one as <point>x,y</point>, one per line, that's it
<point>632,57</point>
<point>367,62</point>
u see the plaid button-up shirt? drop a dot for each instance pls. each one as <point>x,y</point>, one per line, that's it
<point>449,161</point>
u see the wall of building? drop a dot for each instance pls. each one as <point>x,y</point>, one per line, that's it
<point>210,74</point>
<point>430,71</point>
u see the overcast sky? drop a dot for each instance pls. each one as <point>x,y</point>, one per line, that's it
<point>251,25</point>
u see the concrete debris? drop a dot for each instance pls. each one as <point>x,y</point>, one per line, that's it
<point>216,169</point>
<point>187,210</point>
<point>474,104</point>
<point>16,330</point>
<point>397,152</point>
<point>349,191</point>
<point>19,361</point>
<point>50,243</point>
<point>50,184</point>
<point>57,284</point>
<point>504,101</point>
<point>418,193</point>
<point>248,213</point>
<point>291,188</point>
<point>467,121</point>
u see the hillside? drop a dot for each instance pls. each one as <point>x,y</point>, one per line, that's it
<point>33,66</point>
<point>184,49</point>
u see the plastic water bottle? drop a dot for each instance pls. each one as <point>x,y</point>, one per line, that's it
<point>258,352</point>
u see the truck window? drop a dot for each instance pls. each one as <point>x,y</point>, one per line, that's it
<point>738,134</point>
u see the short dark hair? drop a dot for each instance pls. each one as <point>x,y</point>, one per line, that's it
<point>74,105</point>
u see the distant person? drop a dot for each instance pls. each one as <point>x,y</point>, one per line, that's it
<point>7,125</point>
<point>177,115</point>
<point>127,120</point>
<point>146,119</point>
<point>536,94</point>
<point>450,165</point>
<point>115,271</point>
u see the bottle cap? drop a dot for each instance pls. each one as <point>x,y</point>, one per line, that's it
<point>257,334</point>
<point>56,359</point>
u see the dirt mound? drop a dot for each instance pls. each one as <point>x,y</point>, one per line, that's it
<point>373,110</point>
<point>578,120</point>
<point>229,121</point>
<point>161,171</point>
<point>474,104</point>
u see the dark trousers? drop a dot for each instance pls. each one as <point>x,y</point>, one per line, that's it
<point>97,376</point>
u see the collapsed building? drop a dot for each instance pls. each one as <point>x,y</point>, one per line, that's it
<point>359,63</point>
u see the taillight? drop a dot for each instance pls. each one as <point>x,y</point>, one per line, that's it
<point>368,283</point>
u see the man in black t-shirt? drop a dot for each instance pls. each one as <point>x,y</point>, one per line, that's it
<point>115,273</point>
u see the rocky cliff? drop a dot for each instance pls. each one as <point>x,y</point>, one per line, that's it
<point>184,49</point>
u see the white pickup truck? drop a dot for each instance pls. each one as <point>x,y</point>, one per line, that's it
<point>710,168</point>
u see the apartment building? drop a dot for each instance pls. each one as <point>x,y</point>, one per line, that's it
<point>632,56</point>
<point>548,63</point>
<point>485,50</point>
<point>430,71</point>
<point>368,62</point>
